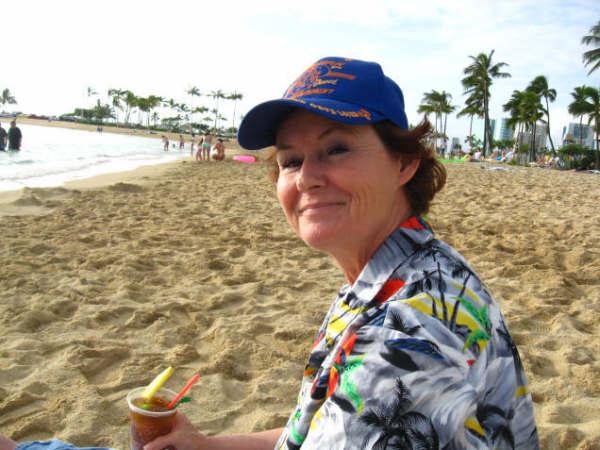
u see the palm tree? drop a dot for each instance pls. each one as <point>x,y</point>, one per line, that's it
<point>102,112</point>
<point>427,107</point>
<point>513,107</point>
<point>193,92</point>
<point>7,98</point>
<point>153,102</point>
<point>155,118</point>
<point>235,96</point>
<point>539,85</point>
<point>143,105</point>
<point>531,110</point>
<point>592,99</point>
<point>446,108</point>
<point>479,76</point>
<point>473,107</point>
<point>91,92</point>
<point>216,95</point>
<point>130,102</point>
<point>579,107</point>
<point>438,103</point>
<point>117,96</point>
<point>592,57</point>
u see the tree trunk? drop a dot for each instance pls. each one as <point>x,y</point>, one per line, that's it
<point>470,131</point>
<point>233,120</point>
<point>597,149</point>
<point>533,155</point>
<point>486,119</point>
<point>445,138</point>
<point>548,130</point>
<point>581,130</point>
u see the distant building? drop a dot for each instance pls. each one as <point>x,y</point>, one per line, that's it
<point>492,128</point>
<point>506,132</point>
<point>455,143</point>
<point>541,136</point>
<point>579,133</point>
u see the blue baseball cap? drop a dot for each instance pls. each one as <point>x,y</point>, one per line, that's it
<point>341,89</point>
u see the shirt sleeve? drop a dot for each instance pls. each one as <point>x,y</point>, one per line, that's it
<point>421,375</point>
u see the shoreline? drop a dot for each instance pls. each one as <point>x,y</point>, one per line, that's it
<point>25,201</point>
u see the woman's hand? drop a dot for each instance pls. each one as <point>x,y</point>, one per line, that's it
<point>183,436</point>
<point>7,444</point>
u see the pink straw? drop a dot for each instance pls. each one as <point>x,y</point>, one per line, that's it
<point>186,388</point>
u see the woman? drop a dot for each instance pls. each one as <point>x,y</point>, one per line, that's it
<point>206,145</point>
<point>413,352</point>
<point>218,151</point>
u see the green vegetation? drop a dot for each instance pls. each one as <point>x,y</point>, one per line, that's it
<point>527,109</point>
<point>592,57</point>
<point>478,79</point>
<point>437,103</point>
<point>123,105</point>
<point>7,98</point>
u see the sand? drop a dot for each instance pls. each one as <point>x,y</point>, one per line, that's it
<point>195,267</point>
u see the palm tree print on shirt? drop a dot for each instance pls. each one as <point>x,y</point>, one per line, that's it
<point>398,428</point>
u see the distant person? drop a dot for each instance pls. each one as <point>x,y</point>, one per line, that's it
<point>218,151</point>
<point>206,145</point>
<point>3,136</point>
<point>14,137</point>
<point>165,141</point>
<point>192,145</point>
<point>199,149</point>
<point>181,142</point>
<point>509,156</point>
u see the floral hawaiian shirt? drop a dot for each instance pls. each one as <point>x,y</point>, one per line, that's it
<point>414,355</point>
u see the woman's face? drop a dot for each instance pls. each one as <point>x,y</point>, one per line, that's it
<point>340,189</point>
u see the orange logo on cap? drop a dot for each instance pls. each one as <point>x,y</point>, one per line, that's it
<point>320,73</point>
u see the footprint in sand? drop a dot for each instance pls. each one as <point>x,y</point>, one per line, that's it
<point>64,309</point>
<point>19,405</point>
<point>126,188</point>
<point>97,366</point>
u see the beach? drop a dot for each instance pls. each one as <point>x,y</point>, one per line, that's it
<point>105,282</point>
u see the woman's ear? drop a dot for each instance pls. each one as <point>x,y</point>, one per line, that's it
<point>408,170</point>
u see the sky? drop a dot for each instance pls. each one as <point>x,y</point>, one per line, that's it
<point>53,51</point>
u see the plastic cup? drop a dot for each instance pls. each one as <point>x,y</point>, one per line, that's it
<point>148,425</point>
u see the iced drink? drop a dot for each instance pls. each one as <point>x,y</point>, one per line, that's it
<point>149,418</point>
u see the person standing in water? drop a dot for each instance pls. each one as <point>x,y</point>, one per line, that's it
<point>3,136</point>
<point>14,137</point>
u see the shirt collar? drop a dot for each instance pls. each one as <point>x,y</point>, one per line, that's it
<point>393,252</point>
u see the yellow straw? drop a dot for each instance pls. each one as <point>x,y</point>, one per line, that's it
<point>157,383</point>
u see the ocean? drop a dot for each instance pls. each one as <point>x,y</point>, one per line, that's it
<point>51,156</point>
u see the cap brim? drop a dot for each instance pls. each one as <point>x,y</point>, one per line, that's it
<point>259,127</point>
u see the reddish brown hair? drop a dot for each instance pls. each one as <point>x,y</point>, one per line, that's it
<point>409,145</point>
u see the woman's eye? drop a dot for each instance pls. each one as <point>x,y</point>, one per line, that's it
<point>338,149</point>
<point>290,163</point>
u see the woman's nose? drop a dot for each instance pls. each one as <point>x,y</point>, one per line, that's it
<point>311,175</point>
